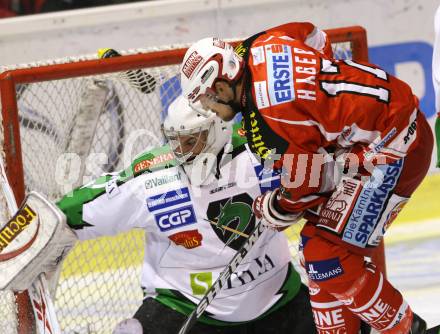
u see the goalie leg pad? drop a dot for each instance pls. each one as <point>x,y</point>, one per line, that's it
<point>34,241</point>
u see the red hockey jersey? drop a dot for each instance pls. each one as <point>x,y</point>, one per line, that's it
<point>300,103</point>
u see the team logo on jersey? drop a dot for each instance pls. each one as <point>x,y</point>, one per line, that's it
<point>234,212</point>
<point>324,270</point>
<point>188,239</point>
<point>168,199</point>
<point>279,73</point>
<point>175,218</point>
<point>200,283</point>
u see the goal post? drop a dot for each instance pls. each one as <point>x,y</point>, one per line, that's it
<point>40,106</point>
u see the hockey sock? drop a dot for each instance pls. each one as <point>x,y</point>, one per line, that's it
<point>362,288</point>
<point>374,300</point>
<point>330,314</point>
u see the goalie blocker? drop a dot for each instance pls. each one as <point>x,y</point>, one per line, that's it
<point>34,241</point>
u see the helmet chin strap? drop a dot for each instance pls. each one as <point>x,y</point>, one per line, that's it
<point>235,106</point>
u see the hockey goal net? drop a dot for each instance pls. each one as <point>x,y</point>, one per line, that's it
<point>44,108</point>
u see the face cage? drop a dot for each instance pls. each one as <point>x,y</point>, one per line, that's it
<point>174,138</point>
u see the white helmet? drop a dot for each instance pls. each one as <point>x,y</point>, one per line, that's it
<point>206,61</point>
<point>184,119</point>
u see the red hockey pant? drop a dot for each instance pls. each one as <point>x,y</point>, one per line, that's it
<point>344,289</point>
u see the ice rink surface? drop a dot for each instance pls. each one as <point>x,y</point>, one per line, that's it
<point>413,266</point>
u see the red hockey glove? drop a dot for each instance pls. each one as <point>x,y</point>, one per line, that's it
<point>264,209</point>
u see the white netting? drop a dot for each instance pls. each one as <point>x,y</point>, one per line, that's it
<point>100,282</point>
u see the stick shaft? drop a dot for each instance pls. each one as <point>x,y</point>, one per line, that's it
<point>222,279</point>
<point>230,229</point>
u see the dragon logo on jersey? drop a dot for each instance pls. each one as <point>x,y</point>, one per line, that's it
<point>230,212</point>
<point>234,212</point>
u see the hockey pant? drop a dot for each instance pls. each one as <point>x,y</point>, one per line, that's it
<point>344,289</point>
<point>294,317</point>
<point>356,291</point>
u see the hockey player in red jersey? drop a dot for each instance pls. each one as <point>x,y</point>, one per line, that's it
<point>306,112</point>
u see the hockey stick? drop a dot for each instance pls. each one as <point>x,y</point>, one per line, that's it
<point>42,305</point>
<point>223,277</point>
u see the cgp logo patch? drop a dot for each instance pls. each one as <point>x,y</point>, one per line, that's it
<point>324,270</point>
<point>176,218</point>
<point>279,73</point>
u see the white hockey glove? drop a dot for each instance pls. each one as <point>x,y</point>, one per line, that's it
<point>264,209</point>
<point>32,242</point>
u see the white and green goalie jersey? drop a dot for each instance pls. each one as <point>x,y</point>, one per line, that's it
<point>187,246</point>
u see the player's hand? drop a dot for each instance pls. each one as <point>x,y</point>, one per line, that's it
<point>264,208</point>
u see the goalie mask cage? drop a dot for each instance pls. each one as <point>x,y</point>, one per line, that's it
<point>89,107</point>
